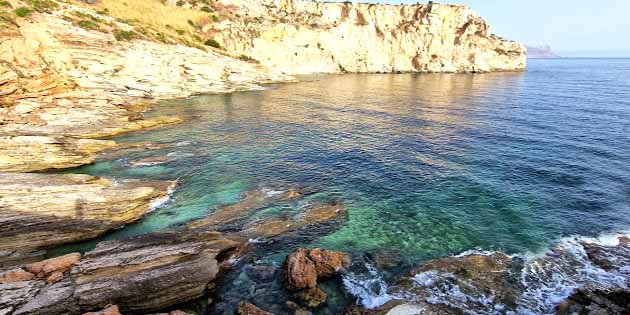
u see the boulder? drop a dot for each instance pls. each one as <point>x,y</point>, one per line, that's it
<point>304,267</point>
<point>52,265</point>
<point>611,257</point>
<point>300,270</point>
<point>328,263</point>
<point>15,275</point>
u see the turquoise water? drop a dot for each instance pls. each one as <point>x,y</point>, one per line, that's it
<point>427,165</point>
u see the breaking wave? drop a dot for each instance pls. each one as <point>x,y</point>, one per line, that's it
<point>543,280</point>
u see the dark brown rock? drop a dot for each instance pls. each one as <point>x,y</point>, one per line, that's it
<point>311,297</point>
<point>328,263</point>
<point>608,257</point>
<point>475,275</point>
<point>300,270</point>
<point>251,309</point>
<point>584,302</point>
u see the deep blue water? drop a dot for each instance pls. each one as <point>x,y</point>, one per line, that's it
<point>427,165</point>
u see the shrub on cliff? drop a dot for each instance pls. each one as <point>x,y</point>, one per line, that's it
<point>212,43</point>
<point>121,35</point>
<point>22,11</point>
<point>43,5</point>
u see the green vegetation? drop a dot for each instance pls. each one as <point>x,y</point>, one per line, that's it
<point>22,11</point>
<point>153,20</point>
<point>5,4</point>
<point>88,25</point>
<point>212,43</point>
<point>121,35</point>
<point>45,6</point>
<point>207,9</point>
<point>247,58</point>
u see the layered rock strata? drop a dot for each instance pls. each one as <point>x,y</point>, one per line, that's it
<point>140,274</point>
<point>303,37</point>
<point>42,210</point>
<point>61,80</point>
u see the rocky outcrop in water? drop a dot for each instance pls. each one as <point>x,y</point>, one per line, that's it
<point>251,309</point>
<point>574,277</point>
<point>304,267</point>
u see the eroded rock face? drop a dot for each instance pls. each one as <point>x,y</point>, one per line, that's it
<point>328,263</point>
<point>33,153</point>
<point>300,270</point>
<point>140,274</point>
<point>304,267</point>
<point>70,84</point>
<point>42,210</point>
<point>307,37</point>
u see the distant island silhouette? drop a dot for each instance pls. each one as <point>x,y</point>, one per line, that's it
<point>539,52</point>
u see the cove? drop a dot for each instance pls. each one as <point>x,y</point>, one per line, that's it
<point>426,165</point>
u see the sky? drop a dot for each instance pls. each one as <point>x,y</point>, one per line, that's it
<point>570,27</point>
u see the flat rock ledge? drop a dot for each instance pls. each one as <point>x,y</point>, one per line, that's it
<point>38,211</point>
<point>139,275</point>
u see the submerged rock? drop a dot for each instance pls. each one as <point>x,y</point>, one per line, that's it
<point>41,210</point>
<point>311,297</point>
<point>246,308</point>
<point>314,214</point>
<point>252,200</point>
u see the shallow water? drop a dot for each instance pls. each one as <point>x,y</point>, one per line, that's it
<point>427,165</point>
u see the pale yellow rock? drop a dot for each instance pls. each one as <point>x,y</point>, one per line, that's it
<point>41,210</point>
<point>302,37</point>
<point>35,153</point>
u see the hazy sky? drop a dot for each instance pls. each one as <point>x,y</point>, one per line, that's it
<point>567,25</point>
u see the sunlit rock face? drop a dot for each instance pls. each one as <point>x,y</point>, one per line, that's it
<point>302,37</point>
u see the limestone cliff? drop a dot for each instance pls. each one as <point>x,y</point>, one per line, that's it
<point>301,37</point>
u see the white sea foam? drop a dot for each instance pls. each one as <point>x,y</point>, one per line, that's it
<point>369,288</point>
<point>272,193</point>
<point>548,279</point>
<point>160,202</point>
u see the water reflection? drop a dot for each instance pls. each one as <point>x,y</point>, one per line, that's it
<point>427,165</point>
